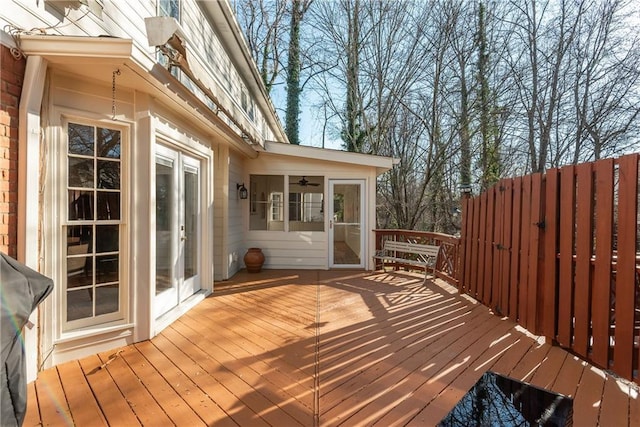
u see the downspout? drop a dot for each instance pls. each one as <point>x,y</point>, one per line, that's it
<point>29,137</point>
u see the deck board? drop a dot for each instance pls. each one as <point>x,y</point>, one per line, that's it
<point>588,397</point>
<point>148,411</point>
<point>54,409</point>
<point>32,417</point>
<point>85,411</point>
<point>178,411</point>
<point>319,347</point>
<point>114,406</point>
<point>615,403</point>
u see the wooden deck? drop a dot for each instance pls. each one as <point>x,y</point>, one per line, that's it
<point>287,348</point>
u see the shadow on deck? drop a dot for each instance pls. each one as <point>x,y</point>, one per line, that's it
<point>319,348</point>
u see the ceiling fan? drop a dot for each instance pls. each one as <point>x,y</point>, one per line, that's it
<point>304,182</point>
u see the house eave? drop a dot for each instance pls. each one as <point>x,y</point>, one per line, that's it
<point>380,163</point>
<point>77,54</point>
<point>51,47</point>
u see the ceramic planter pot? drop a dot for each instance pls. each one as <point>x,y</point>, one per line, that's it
<point>253,260</point>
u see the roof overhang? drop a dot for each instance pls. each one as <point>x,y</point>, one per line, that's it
<point>380,163</point>
<point>97,58</point>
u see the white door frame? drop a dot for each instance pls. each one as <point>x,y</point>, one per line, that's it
<point>180,289</point>
<point>351,225</point>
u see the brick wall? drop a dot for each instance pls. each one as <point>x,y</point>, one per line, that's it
<point>11,78</point>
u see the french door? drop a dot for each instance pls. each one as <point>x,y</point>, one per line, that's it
<point>346,225</point>
<point>178,227</point>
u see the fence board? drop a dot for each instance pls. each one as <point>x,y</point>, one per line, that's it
<point>602,276</point>
<point>505,240</point>
<point>476,247</point>
<point>515,249</point>
<point>523,279</point>
<point>496,245</point>
<point>464,246</point>
<point>567,221</point>
<point>489,248</point>
<point>533,296</point>
<point>584,241</point>
<point>482,247</point>
<point>550,307</point>
<point>626,266</point>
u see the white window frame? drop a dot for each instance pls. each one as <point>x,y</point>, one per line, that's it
<point>121,317</point>
<point>276,199</point>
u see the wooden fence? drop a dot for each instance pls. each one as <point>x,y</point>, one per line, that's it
<point>447,264</point>
<point>559,254</point>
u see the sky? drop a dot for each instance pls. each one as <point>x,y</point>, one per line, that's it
<point>310,122</point>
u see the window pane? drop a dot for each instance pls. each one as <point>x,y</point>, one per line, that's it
<point>107,269</point>
<point>170,8</point>
<point>306,203</point>
<point>107,299</point>
<point>108,143</point>
<point>79,268</point>
<point>80,172</point>
<point>108,175</point>
<point>79,304</point>
<point>80,205</point>
<point>108,205</point>
<point>267,203</point>
<point>81,139</point>
<point>93,269</point>
<point>191,212</point>
<point>107,238</point>
<point>80,234</point>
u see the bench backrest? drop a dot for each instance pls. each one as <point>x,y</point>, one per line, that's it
<point>414,248</point>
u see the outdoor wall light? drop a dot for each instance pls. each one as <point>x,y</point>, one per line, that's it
<point>243,193</point>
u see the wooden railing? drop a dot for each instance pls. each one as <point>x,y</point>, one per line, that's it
<point>559,254</point>
<point>447,264</point>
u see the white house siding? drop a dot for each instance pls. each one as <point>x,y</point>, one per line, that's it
<point>235,227</point>
<point>125,19</point>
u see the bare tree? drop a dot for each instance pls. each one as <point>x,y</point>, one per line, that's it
<point>606,84</point>
<point>294,65</point>
<point>468,91</point>
<point>262,23</point>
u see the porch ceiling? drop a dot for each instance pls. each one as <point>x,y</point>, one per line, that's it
<point>319,348</point>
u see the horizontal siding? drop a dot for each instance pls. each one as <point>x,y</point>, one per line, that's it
<point>235,229</point>
<point>82,95</point>
<point>305,250</point>
<point>125,19</point>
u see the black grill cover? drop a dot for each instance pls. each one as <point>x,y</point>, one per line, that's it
<point>21,290</point>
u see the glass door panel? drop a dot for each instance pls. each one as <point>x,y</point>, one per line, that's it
<point>346,248</point>
<point>190,227</point>
<point>166,231</point>
<point>178,227</point>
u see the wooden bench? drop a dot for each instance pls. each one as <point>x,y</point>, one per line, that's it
<point>425,256</point>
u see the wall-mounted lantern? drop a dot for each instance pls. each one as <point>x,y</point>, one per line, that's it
<point>243,193</point>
